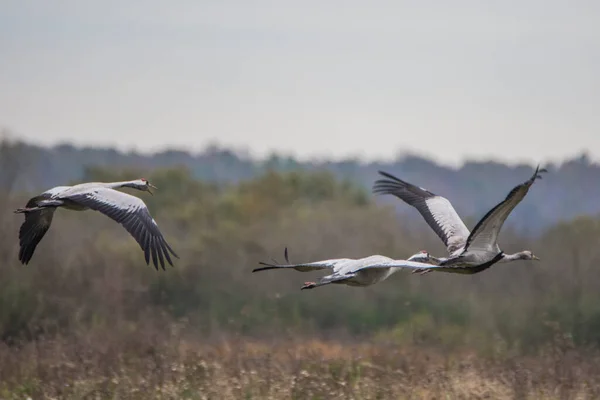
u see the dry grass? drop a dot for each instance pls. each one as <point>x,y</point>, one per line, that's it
<point>148,365</point>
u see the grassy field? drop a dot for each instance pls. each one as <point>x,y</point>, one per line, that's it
<point>169,366</point>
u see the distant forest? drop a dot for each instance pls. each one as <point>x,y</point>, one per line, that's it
<point>570,189</point>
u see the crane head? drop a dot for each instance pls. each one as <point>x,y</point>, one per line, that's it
<point>528,255</point>
<point>144,185</point>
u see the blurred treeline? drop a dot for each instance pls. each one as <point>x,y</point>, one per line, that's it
<point>570,189</point>
<point>88,273</point>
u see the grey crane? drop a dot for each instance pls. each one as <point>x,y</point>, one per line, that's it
<point>128,210</point>
<point>470,252</point>
<point>354,272</point>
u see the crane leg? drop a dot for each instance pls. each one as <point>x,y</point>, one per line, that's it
<point>421,272</point>
<point>326,280</point>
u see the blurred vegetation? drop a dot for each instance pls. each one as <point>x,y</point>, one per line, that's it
<point>88,280</point>
<point>569,190</point>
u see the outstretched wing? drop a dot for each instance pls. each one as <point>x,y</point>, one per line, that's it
<point>424,268</point>
<point>485,234</point>
<point>33,229</point>
<point>436,210</point>
<point>414,265</point>
<point>305,267</point>
<point>132,213</point>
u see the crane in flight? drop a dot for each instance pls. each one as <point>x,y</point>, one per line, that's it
<point>128,210</point>
<point>354,272</point>
<point>469,252</point>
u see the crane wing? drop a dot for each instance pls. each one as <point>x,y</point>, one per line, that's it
<point>33,229</point>
<point>436,210</point>
<point>304,267</point>
<point>419,267</point>
<point>399,264</point>
<point>132,213</point>
<point>485,234</point>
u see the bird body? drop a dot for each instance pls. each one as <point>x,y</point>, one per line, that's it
<point>355,272</point>
<point>467,249</point>
<point>128,210</point>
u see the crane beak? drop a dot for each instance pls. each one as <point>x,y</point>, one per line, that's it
<point>151,186</point>
<point>535,258</point>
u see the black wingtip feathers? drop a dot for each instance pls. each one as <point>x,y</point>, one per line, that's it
<point>268,266</point>
<point>538,173</point>
<point>275,263</point>
<point>388,175</point>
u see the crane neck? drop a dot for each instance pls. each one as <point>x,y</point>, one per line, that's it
<point>511,257</point>
<point>116,185</point>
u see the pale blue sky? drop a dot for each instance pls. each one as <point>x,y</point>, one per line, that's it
<point>511,80</point>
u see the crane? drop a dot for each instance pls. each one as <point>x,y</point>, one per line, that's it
<point>128,210</point>
<point>354,272</point>
<point>469,252</point>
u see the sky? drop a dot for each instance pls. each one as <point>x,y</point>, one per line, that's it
<point>510,80</point>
